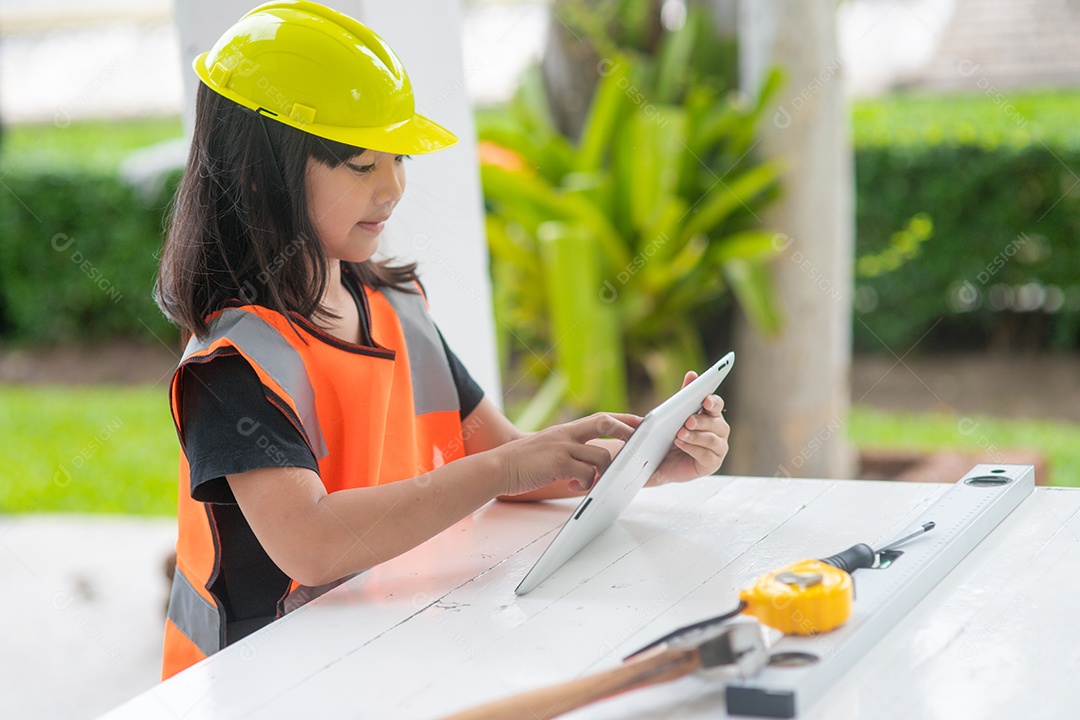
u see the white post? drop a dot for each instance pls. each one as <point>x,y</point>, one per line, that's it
<point>792,392</point>
<point>439,222</point>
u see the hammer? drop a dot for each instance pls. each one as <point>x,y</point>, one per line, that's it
<point>739,644</point>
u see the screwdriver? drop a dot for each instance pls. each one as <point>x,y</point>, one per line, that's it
<point>863,556</point>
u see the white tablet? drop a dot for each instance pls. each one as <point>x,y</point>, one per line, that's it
<point>631,468</point>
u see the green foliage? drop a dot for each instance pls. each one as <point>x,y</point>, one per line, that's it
<point>78,257</point>
<point>613,27</point>
<point>87,449</point>
<point>974,119</point>
<point>603,251</point>
<point>1057,440</point>
<point>1004,263</point>
<point>94,146</point>
<point>904,245</point>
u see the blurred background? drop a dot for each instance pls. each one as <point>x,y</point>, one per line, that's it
<point>646,210</point>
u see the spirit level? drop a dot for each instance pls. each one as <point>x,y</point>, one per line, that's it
<point>802,668</point>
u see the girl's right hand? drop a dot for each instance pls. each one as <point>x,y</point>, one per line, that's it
<point>560,452</point>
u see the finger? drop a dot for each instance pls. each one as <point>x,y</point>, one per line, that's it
<point>711,407</point>
<point>708,423</point>
<point>714,405</point>
<point>599,425</point>
<point>581,475</point>
<point>628,418</point>
<point>700,445</point>
<point>705,461</point>
<point>690,377</point>
<point>598,457</point>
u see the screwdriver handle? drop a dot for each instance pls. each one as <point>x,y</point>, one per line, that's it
<point>852,559</point>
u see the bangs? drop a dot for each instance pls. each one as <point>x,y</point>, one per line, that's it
<point>329,152</point>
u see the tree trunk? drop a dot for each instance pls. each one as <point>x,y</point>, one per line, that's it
<point>569,69</point>
<point>791,392</point>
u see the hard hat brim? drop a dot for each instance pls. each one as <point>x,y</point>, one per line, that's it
<point>415,136</point>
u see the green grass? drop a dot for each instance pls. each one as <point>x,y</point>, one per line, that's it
<point>1057,440</point>
<point>94,449</point>
<point>977,118</point>
<point>109,449</point>
<point>85,146</point>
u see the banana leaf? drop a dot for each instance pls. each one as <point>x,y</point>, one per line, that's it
<point>584,329</point>
<point>605,110</point>
<point>674,59</point>
<point>658,145</point>
<point>517,193</point>
<point>752,284</point>
<point>730,195</point>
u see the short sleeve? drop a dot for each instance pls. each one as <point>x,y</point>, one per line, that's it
<point>469,391</point>
<point>229,426</point>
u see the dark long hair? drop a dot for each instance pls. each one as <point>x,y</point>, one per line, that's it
<point>239,228</point>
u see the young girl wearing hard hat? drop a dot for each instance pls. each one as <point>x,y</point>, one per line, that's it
<point>325,425</point>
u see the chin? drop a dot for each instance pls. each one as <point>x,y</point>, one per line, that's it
<point>358,251</point>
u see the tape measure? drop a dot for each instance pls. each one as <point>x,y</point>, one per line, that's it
<point>804,598</point>
<point>814,596</point>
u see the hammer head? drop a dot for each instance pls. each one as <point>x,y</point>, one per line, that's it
<point>741,644</point>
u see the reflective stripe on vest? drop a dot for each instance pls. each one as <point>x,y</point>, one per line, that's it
<point>194,616</point>
<point>258,341</point>
<point>433,383</point>
<point>371,415</point>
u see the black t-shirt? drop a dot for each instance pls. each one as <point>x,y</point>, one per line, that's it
<point>229,427</point>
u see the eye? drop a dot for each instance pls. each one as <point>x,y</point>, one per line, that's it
<point>362,169</point>
<point>402,158</point>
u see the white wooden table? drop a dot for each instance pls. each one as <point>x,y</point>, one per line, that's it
<point>440,629</point>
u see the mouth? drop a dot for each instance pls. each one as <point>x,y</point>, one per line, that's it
<point>374,226</point>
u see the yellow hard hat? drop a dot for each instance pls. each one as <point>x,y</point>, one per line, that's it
<point>322,72</point>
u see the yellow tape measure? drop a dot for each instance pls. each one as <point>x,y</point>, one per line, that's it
<point>804,598</point>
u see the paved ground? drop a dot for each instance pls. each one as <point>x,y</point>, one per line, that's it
<point>82,608</point>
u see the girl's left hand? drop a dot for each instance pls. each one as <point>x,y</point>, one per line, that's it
<point>700,446</point>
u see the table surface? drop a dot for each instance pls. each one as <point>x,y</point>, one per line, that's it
<point>439,629</point>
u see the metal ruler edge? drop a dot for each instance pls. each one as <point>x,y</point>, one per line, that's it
<point>964,515</point>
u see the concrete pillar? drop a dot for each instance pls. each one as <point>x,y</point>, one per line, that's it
<point>791,393</point>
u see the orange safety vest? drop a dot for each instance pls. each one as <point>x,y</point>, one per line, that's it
<point>371,415</point>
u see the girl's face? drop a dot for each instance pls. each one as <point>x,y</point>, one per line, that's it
<point>350,203</point>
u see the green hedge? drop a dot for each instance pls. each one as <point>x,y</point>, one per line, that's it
<point>1000,179</point>
<point>78,254</point>
<point>1003,265</point>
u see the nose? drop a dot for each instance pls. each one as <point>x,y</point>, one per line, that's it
<point>391,180</point>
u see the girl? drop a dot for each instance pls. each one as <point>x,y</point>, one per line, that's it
<point>325,425</point>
